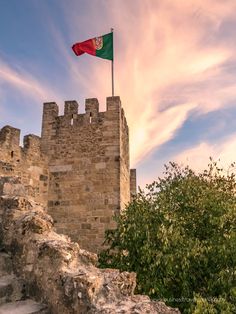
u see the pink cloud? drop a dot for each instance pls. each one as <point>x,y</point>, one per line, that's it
<point>163,44</point>
<point>160,48</point>
<point>198,156</point>
<point>25,83</point>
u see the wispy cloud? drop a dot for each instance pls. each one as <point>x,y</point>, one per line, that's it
<point>169,62</point>
<point>198,156</point>
<point>24,82</point>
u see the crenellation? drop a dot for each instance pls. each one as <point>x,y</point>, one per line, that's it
<point>92,106</point>
<point>71,108</point>
<point>79,167</point>
<point>113,103</point>
<point>27,163</point>
<point>50,109</point>
<point>49,121</point>
<point>9,136</point>
<point>10,151</point>
<point>32,143</point>
<point>92,111</point>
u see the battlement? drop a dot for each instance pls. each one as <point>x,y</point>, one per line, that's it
<point>91,105</point>
<point>113,103</point>
<point>32,143</point>
<point>71,108</point>
<point>79,166</point>
<point>50,109</point>
<point>73,121</point>
<point>110,126</point>
<point>9,136</point>
<point>10,143</point>
<point>27,162</point>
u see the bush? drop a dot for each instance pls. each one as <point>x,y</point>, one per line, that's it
<point>179,237</point>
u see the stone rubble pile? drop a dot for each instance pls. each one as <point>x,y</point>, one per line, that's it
<point>13,295</point>
<point>54,270</point>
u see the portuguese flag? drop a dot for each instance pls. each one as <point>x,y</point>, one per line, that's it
<point>99,46</point>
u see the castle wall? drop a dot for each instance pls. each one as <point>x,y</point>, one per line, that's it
<point>26,162</point>
<point>124,162</point>
<point>79,168</point>
<point>55,270</point>
<point>133,183</point>
<point>89,177</point>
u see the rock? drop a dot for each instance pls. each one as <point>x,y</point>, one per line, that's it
<point>11,186</point>
<point>10,289</point>
<point>60,274</point>
<point>5,264</point>
<point>23,307</point>
<point>13,298</point>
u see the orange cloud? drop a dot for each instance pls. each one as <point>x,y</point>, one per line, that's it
<point>168,63</point>
<point>161,45</point>
<point>198,156</point>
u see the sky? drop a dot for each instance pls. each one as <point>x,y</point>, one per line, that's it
<point>175,71</point>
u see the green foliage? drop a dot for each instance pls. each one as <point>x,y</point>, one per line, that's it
<point>179,237</point>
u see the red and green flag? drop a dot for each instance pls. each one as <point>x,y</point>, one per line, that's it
<point>99,46</point>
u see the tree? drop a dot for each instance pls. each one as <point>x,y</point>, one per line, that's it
<point>179,236</point>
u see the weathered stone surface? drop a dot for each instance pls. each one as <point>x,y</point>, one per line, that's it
<point>88,158</point>
<point>79,168</point>
<point>59,273</point>
<point>13,296</point>
<point>61,168</point>
<point>23,307</point>
<point>12,186</point>
<point>28,163</point>
<point>5,264</point>
<point>10,289</point>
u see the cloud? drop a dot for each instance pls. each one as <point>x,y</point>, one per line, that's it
<point>170,62</point>
<point>198,157</point>
<point>166,52</point>
<point>24,82</point>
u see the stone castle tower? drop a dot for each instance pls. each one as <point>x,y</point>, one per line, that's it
<point>79,168</point>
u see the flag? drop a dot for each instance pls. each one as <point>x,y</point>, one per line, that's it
<point>99,46</point>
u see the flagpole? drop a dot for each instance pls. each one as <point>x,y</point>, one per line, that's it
<point>112,70</point>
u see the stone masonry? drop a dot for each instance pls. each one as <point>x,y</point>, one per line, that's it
<point>26,162</point>
<point>79,167</point>
<point>42,272</point>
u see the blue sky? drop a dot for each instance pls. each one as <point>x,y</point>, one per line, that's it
<point>175,66</point>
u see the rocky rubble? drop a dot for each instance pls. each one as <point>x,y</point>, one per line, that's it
<point>56,271</point>
<point>13,295</point>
